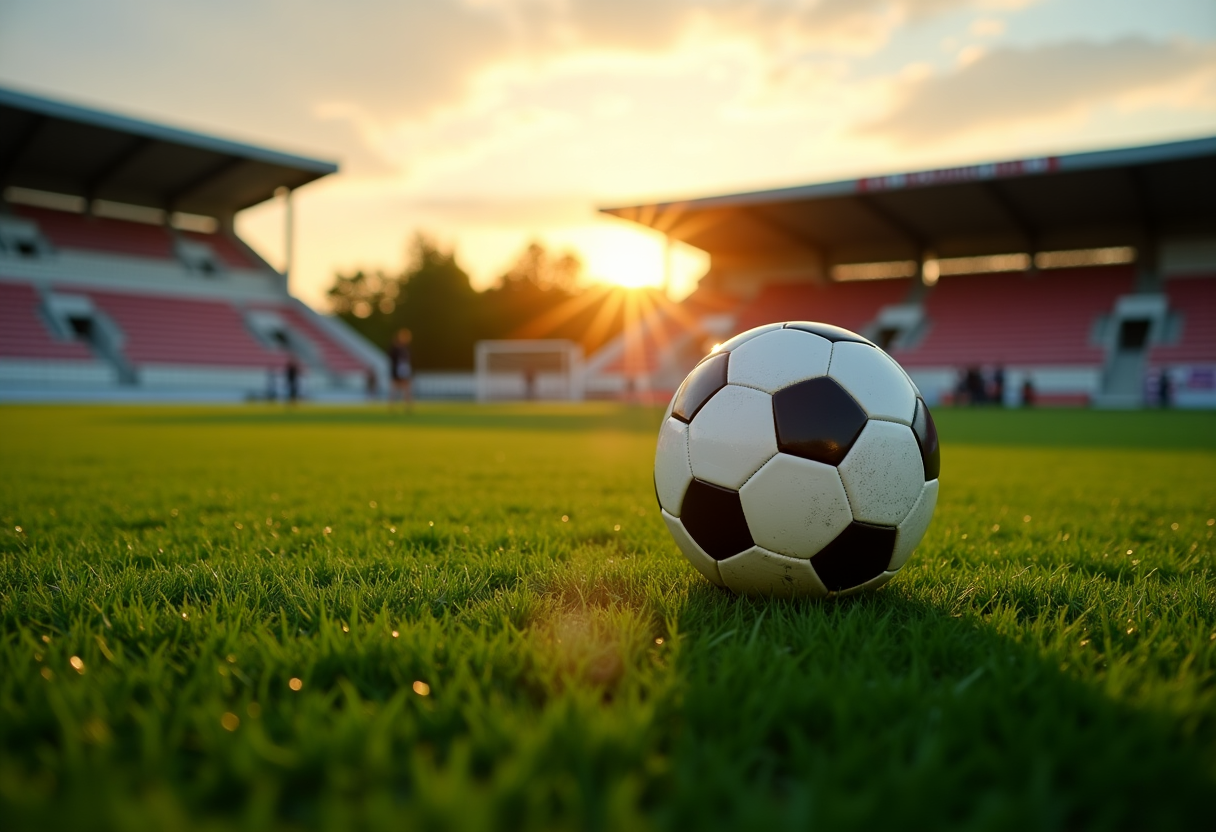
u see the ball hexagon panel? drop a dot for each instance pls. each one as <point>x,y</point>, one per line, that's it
<point>817,419</point>
<point>912,530</point>
<point>760,572</point>
<point>795,506</point>
<point>883,474</point>
<point>828,331</point>
<point>926,437</point>
<point>732,436</point>
<point>706,565</point>
<point>672,473</point>
<point>858,554</point>
<point>706,379</point>
<point>714,518</point>
<point>873,583</point>
<point>744,337</point>
<point>874,380</point>
<point>777,359</point>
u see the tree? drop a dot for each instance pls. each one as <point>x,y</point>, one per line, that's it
<point>434,299</point>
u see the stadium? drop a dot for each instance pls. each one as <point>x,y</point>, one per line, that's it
<point>122,275</point>
<point>1084,278</point>
<point>924,538</point>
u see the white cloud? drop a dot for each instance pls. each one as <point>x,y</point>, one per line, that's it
<point>1021,85</point>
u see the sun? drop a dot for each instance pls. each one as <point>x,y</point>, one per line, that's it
<point>623,255</point>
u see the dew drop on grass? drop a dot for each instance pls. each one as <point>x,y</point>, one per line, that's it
<point>396,634</point>
<point>372,504</point>
<point>295,683</point>
<point>230,721</point>
<point>1211,522</point>
<point>1026,519</point>
<point>47,674</point>
<point>658,641</point>
<point>422,688</point>
<point>565,518</point>
<point>430,522</point>
<point>77,664</point>
<point>996,527</point>
<point>617,527</point>
<point>1174,526</point>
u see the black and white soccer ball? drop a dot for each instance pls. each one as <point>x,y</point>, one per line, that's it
<point>797,459</point>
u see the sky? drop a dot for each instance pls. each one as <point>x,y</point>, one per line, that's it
<point>491,123</point>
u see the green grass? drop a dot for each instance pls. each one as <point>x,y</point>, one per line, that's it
<point>1047,659</point>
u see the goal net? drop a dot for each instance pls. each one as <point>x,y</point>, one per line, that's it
<point>522,370</point>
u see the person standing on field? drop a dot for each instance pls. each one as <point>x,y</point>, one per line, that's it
<point>401,365</point>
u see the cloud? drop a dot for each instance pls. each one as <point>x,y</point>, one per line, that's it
<point>1018,85</point>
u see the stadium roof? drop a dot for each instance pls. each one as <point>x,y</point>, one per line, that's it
<point>1106,198</point>
<point>51,146</point>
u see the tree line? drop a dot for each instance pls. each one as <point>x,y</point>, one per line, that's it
<point>433,298</point>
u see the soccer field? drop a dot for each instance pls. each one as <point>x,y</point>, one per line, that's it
<point>474,618</point>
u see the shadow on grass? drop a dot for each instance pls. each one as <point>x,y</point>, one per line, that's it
<point>884,711</point>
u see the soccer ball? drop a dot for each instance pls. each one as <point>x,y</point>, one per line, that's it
<point>797,459</point>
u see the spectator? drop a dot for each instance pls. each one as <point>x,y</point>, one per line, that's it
<point>292,374</point>
<point>1165,388</point>
<point>401,365</point>
<point>998,386</point>
<point>1028,392</point>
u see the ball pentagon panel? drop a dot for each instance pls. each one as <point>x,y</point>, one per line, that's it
<point>828,331</point>
<point>858,554</point>
<point>874,379</point>
<point>883,474</point>
<point>732,436</point>
<point>704,564</point>
<point>757,571</point>
<point>795,506</point>
<point>779,358</point>
<point>817,419</point>
<point>714,518</point>
<point>926,437</point>
<point>672,473</point>
<point>706,379</point>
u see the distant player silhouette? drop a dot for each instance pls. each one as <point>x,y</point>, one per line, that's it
<point>401,366</point>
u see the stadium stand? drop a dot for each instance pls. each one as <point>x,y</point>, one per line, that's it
<point>1041,318</point>
<point>1194,299</point>
<point>25,334</point>
<point>67,230</point>
<point>852,305</point>
<point>97,305</point>
<point>188,331</point>
<point>950,256</point>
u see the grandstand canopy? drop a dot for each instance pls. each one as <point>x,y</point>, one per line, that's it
<point>51,146</point>
<point>1084,200</point>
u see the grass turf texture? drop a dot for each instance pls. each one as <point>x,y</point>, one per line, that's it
<point>492,630</point>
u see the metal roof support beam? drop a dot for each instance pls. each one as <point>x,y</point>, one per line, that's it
<point>1148,255</point>
<point>213,172</point>
<point>27,137</point>
<point>895,223</point>
<point>800,237</point>
<point>1014,216</point>
<point>113,166</point>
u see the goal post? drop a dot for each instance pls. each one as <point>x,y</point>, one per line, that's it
<point>549,368</point>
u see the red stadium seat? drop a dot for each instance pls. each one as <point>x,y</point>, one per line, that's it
<point>1018,318</point>
<point>1194,299</point>
<point>66,230</point>
<point>161,329</point>
<point>850,305</point>
<point>23,332</point>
